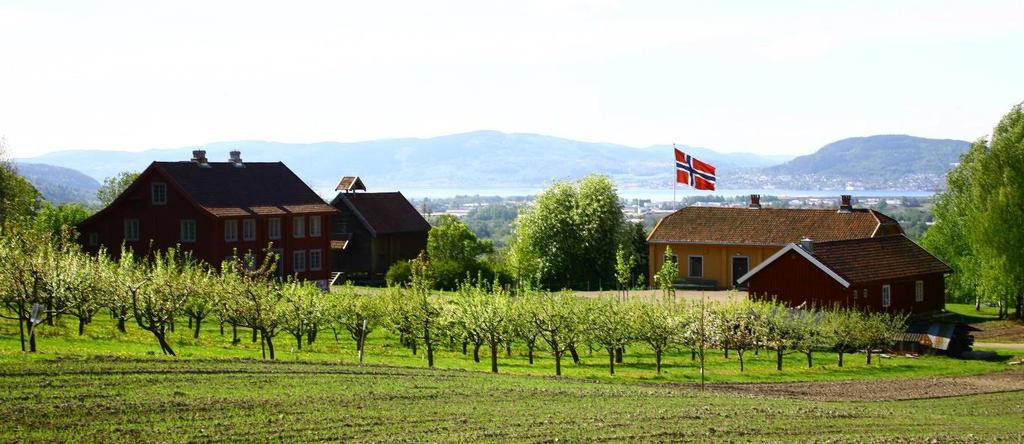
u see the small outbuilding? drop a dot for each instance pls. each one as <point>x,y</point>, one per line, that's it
<point>373,231</point>
<point>888,273</point>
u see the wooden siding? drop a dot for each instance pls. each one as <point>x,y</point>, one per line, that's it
<point>717,259</point>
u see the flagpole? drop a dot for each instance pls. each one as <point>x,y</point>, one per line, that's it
<point>674,176</point>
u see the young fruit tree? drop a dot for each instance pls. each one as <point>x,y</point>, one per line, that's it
<point>659,325</point>
<point>735,328</point>
<point>358,314</point>
<point>556,318</point>
<point>169,287</point>
<point>27,281</point>
<point>488,313</point>
<point>610,324</point>
<point>426,309</point>
<point>304,307</point>
<point>251,298</point>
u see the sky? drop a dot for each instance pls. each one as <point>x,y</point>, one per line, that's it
<point>765,77</point>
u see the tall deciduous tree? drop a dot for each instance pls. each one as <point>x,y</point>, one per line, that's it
<point>570,235</point>
<point>114,186</point>
<point>18,198</point>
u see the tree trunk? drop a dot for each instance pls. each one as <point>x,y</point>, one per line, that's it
<point>476,353</point>
<point>657,360</point>
<point>693,354</point>
<point>21,331</point>
<point>611,360</point>
<point>198,325</point>
<point>575,355</point>
<point>254,336</point>
<point>558,363</point>
<point>977,303</point>
<point>31,338</point>
<point>222,328</point>
<point>529,351</point>
<point>234,334</point>
<point>494,357</point>
<point>172,325</point>
<point>508,349</point>
<point>164,346</point>
<point>121,324</point>
<point>778,359</point>
<point>270,344</point>
<point>739,354</point>
<point>618,354</point>
<point>298,340</point>
<point>726,349</point>
<point>190,322</point>
<point>840,358</point>
<point>430,347</point>
<point>869,355</point>
<point>810,363</point>
<point>81,326</point>
<point>465,348</point>
<point>311,335</point>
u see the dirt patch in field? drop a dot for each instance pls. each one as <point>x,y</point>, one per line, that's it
<point>999,331</point>
<point>883,390</point>
<point>681,295</point>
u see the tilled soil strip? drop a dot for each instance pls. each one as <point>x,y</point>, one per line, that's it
<point>883,389</point>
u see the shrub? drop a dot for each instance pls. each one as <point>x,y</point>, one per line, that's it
<point>399,274</point>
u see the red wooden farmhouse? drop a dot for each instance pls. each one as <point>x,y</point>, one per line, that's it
<point>888,273</point>
<point>219,209</point>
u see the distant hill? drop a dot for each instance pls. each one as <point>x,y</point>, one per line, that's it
<point>480,159</point>
<point>59,184</point>
<point>885,156</point>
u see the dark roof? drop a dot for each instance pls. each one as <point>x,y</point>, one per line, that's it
<point>769,226</point>
<point>383,212</point>
<point>859,261</point>
<point>878,258</point>
<point>257,188</point>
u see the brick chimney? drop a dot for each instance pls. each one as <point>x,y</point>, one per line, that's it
<point>236,159</point>
<point>199,157</point>
<point>846,204</point>
<point>755,201</point>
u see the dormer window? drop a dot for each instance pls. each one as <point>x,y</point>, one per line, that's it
<point>158,190</point>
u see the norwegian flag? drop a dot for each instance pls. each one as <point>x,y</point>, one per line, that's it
<point>692,172</point>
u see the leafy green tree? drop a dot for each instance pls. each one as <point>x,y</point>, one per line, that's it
<point>18,198</point>
<point>114,186</point>
<point>660,325</point>
<point>735,328</point>
<point>358,314</point>
<point>636,246</point>
<point>426,310</point>
<point>453,250</point>
<point>484,313</point>
<point>556,318</point>
<point>31,267</point>
<point>252,299</point>
<point>666,276</point>
<point>304,308</point>
<point>842,325</point>
<point>570,235</point>
<point>949,237</point>
<point>610,324</point>
<point>624,264</point>
<point>60,218</point>
<point>155,305</point>
<point>999,193</point>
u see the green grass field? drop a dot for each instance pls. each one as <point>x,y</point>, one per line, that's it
<point>109,386</point>
<point>102,339</point>
<point>108,400</point>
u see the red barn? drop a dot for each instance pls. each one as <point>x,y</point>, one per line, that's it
<point>215,209</point>
<point>889,273</point>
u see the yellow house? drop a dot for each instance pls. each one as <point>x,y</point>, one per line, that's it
<point>714,246</point>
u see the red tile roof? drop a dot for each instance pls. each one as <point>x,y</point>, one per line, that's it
<point>768,226</point>
<point>383,212</point>
<point>257,188</point>
<point>879,258</point>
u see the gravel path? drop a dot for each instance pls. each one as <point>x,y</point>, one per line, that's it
<point>883,390</point>
<point>1006,346</point>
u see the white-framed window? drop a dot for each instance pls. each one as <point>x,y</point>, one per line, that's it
<point>131,230</point>
<point>249,229</point>
<point>231,230</point>
<point>919,291</point>
<point>886,296</point>
<point>188,230</point>
<point>855,294</point>
<point>299,226</point>
<point>94,239</point>
<point>314,226</point>
<point>316,260</point>
<point>274,228</point>
<point>695,266</point>
<point>299,260</point>
<point>158,190</point>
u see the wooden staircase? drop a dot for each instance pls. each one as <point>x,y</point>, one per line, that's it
<point>334,277</point>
